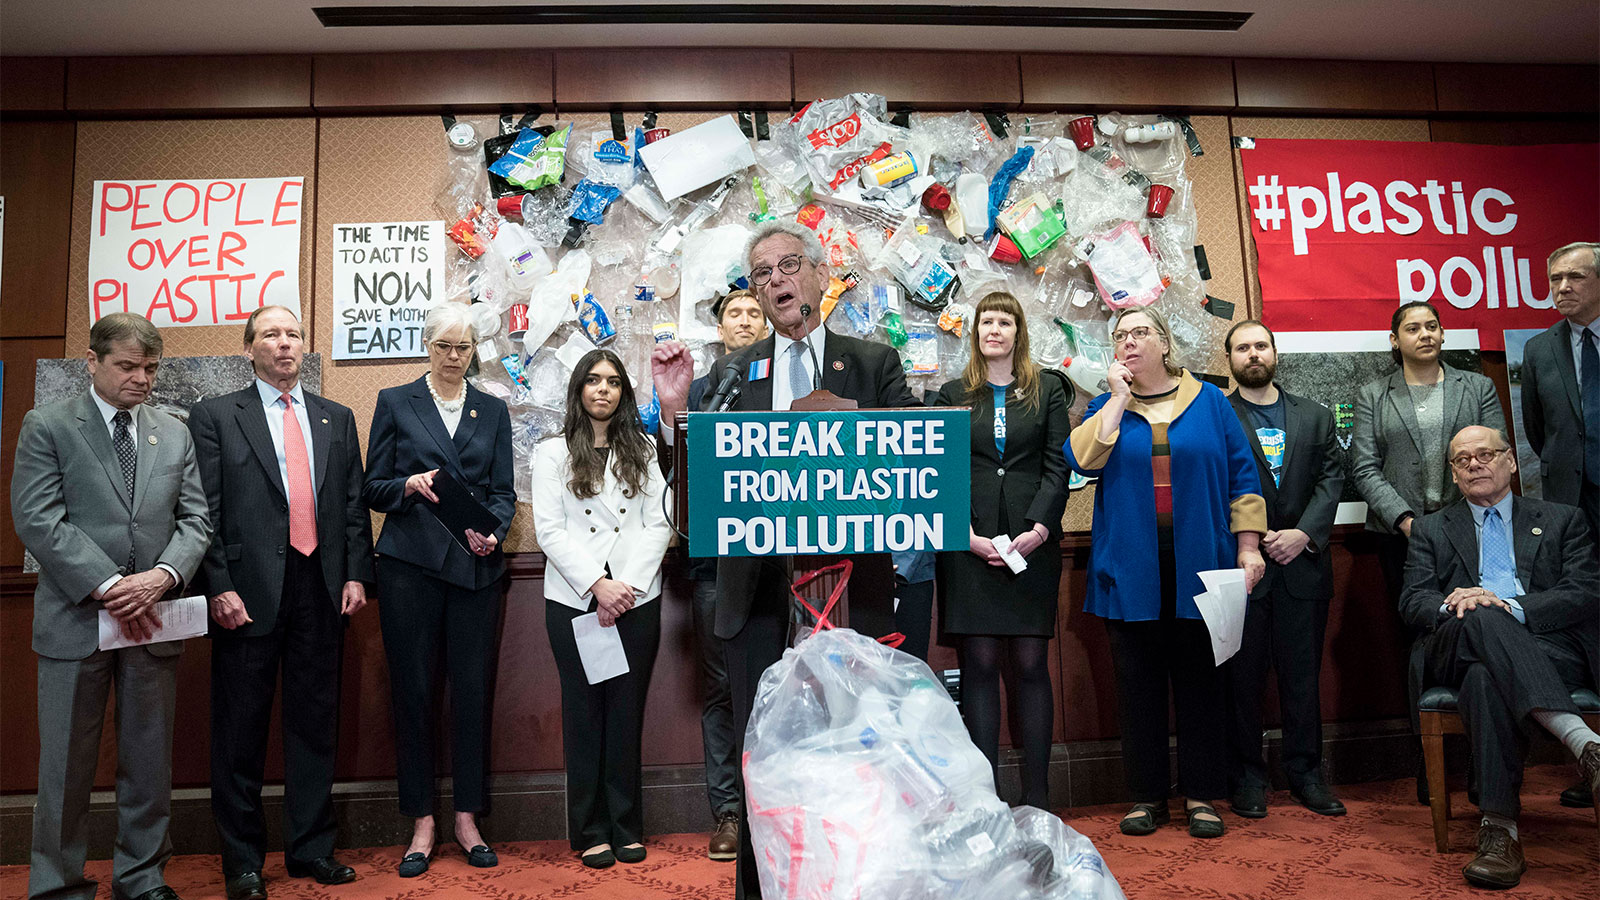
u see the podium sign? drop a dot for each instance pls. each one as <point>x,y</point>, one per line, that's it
<point>815,483</point>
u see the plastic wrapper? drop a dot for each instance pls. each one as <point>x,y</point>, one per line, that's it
<point>1094,198</point>
<point>590,200</point>
<point>1123,268</point>
<point>544,215</point>
<point>836,138</point>
<point>862,783</point>
<point>533,160</point>
<point>962,137</point>
<point>921,355</point>
<point>609,161</point>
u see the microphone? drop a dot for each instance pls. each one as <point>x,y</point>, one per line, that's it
<point>816,370</point>
<point>732,398</point>
<point>721,398</point>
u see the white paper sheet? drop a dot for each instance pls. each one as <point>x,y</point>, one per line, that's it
<point>1222,607</point>
<point>695,157</point>
<point>1012,558</point>
<point>599,648</point>
<point>184,617</point>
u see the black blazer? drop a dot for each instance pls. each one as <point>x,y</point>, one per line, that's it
<point>250,511</point>
<point>408,436</point>
<point>1555,563</point>
<point>865,372</point>
<point>1552,412</point>
<point>1308,498</point>
<point>1030,484</point>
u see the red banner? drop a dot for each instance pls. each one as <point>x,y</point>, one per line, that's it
<point>1347,230</point>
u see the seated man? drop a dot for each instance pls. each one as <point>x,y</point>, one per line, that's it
<point>1506,593</point>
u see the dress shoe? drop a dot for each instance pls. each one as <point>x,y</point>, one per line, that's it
<point>1499,862</point>
<point>326,870</point>
<point>604,859</point>
<point>631,854</point>
<point>1578,796</point>
<point>247,886</point>
<point>414,864</point>
<point>1315,796</point>
<point>725,840</point>
<point>1249,801</point>
<point>159,893</point>
<point>481,857</point>
<point>1589,765</point>
<point>1210,827</point>
<point>1145,818</point>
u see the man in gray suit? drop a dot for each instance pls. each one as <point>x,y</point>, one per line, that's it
<point>1561,385</point>
<point>106,495</point>
<point>1506,595</point>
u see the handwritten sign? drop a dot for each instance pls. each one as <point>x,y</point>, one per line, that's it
<point>386,276</point>
<point>195,252</point>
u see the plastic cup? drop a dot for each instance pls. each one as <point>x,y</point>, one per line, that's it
<point>1082,131</point>
<point>656,134</point>
<point>519,321</point>
<point>1160,196</point>
<point>510,206</point>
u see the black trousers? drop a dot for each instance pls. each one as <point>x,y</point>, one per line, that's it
<point>1286,632</point>
<point>716,712</point>
<point>602,727</point>
<point>913,615</point>
<point>1501,672</point>
<point>749,653</point>
<point>307,640</point>
<point>422,616</point>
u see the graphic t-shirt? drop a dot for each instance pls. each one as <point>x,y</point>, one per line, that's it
<point>1270,434</point>
<point>999,418</point>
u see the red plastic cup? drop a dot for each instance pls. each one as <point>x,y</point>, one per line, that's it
<point>519,321</point>
<point>510,206</point>
<point>1002,249</point>
<point>1160,196</point>
<point>1082,131</point>
<point>656,134</point>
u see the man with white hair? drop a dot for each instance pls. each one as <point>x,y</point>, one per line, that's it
<point>788,274</point>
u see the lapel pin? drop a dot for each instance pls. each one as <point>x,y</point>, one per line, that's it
<point>324,421</point>
<point>473,413</point>
<point>152,439</point>
<point>838,365</point>
<point>1538,531</point>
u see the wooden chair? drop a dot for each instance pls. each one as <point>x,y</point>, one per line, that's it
<point>1439,716</point>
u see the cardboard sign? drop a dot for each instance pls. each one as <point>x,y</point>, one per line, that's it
<point>195,252</point>
<point>386,276</point>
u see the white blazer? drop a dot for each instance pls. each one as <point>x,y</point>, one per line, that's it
<point>580,538</point>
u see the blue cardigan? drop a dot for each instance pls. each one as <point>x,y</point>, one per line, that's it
<point>1212,467</point>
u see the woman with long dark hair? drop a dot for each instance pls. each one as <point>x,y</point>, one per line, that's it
<point>598,516</point>
<point>1019,489</point>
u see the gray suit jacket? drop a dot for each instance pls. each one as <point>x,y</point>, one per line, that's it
<point>1386,458</point>
<point>71,510</point>
<point>1552,412</point>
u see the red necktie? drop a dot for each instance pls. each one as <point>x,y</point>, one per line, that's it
<point>302,505</point>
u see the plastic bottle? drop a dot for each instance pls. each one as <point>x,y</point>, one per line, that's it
<point>972,198</point>
<point>526,262</point>
<point>653,315</point>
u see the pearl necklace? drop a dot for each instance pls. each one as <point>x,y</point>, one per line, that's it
<point>449,406</point>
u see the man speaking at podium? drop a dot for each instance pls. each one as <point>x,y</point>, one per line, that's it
<point>788,275</point>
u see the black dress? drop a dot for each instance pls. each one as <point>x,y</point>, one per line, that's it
<point>1010,492</point>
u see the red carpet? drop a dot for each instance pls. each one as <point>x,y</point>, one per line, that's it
<point>1383,849</point>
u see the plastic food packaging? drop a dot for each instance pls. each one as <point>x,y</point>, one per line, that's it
<point>464,232</point>
<point>912,260</point>
<point>1033,224</point>
<point>1123,268</point>
<point>862,783</point>
<point>534,161</point>
<point>610,161</point>
<point>593,320</point>
<point>590,200</point>
<point>836,138</point>
<point>890,299</point>
<point>921,355</point>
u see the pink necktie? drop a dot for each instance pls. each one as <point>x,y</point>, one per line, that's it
<point>302,509</point>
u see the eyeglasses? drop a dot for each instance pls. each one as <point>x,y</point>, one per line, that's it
<point>789,265</point>
<point>1464,460</point>
<point>1138,333</point>
<point>448,349</point>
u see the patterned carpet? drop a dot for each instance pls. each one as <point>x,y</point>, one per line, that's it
<point>1382,850</point>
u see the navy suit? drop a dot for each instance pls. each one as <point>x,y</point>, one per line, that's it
<point>431,589</point>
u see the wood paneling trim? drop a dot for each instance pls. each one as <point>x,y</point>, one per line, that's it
<point>692,78</point>
<point>1333,86</point>
<point>1517,88</point>
<point>926,79</point>
<point>450,80</point>
<point>188,84</point>
<point>1056,80</point>
<point>36,181</point>
<point>1515,132</point>
<point>33,84</point>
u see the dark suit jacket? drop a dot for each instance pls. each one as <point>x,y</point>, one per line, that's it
<point>250,511</point>
<point>1031,482</point>
<point>408,436</point>
<point>865,372</point>
<point>1552,412</point>
<point>1555,564</point>
<point>1308,497</point>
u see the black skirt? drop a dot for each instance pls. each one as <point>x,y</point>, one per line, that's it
<point>977,598</point>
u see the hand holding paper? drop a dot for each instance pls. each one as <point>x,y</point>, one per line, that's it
<point>182,618</point>
<point>600,649</point>
<point>1222,606</point>
<point>1009,555</point>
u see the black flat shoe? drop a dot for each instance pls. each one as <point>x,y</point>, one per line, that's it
<point>1145,818</point>
<point>1249,802</point>
<point>1577,797</point>
<point>481,857</point>
<point>605,859</point>
<point>246,886</point>
<point>1204,828</point>
<point>414,864</point>
<point>326,870</point>
<point>630,854</point>
<point>1315,796</point>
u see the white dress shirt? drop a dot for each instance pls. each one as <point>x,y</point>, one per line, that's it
<point>783,393</point>
<point>272,404</point>
<point>109,413</point>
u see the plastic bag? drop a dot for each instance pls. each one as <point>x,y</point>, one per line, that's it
<point>1123,268</point>
<point>862,783</point>
<point>836,138</point>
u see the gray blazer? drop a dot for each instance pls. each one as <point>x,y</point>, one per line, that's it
<point>1552,412</point>
<point>1386,456</point>
<point>71,510</point>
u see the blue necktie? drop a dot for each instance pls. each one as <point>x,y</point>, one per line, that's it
<point>1499,572</point>
<point>799,384</point>
<point>1591,406</point>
